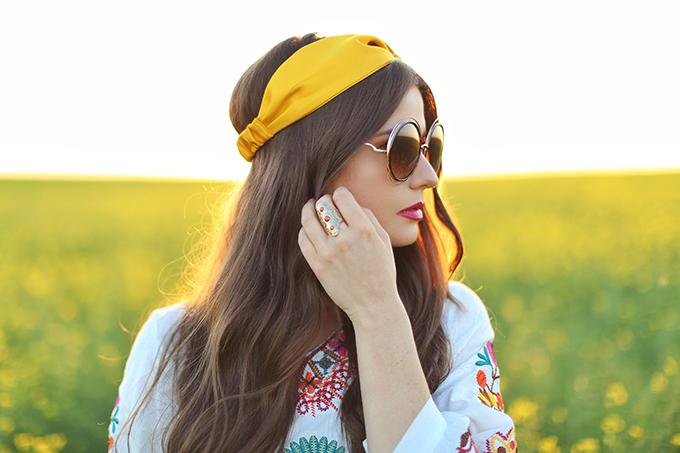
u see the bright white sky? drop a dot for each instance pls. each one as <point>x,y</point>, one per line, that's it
<point>141,88</point>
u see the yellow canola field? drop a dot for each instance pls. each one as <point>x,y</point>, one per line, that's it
<point>581,276</point>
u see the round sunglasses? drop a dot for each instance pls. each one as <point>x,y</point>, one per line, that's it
<point>405,145</point>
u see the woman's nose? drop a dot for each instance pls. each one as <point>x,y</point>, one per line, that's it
<point>424,175</point>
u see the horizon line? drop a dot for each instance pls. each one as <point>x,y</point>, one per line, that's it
<point>482,176</point>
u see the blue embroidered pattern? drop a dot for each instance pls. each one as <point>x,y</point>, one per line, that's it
<point>313,445</point>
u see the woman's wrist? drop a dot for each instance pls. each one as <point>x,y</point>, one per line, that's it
<point>386,313</point>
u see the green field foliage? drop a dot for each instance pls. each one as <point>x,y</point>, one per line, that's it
<point>581,276</point>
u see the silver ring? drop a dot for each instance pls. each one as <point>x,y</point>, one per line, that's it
<point>329,217</point>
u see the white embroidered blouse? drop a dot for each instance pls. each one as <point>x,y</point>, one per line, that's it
<point>465,414</point>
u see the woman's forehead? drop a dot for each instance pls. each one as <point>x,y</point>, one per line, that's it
<point>411,106</point>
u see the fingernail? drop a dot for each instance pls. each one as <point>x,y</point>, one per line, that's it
<point>329,217</point>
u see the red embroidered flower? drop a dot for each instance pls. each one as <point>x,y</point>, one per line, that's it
<point>339,345</point>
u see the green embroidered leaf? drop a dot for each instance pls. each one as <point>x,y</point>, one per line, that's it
<point>114,421</point>
<point>486,360</point>
<point>314,445</point>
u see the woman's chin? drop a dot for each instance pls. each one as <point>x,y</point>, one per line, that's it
<point>404,237</point>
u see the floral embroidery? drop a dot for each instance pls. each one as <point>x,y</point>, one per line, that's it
<point>314,446</point>
<point>466,444</point>
<point>114,422</point>
<point>324,378</point>
<point>502,443</point>
<point>486,392</point>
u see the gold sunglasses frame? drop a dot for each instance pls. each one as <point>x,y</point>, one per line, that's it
<point>424,147</point>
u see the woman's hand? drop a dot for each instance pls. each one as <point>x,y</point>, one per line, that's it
<point>356,267</point>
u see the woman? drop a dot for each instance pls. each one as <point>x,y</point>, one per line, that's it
<point>324,320</point>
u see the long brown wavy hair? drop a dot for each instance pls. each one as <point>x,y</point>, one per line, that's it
<point>237,356</point>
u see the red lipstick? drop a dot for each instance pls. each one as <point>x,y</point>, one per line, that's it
<point>414,212</point>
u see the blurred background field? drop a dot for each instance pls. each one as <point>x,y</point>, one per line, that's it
<point>581,275</point>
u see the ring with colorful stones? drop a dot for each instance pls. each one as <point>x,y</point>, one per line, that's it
<point>329,217</point>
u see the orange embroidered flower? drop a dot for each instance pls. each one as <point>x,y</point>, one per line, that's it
<point>309,383</point>
<point>481,378</point>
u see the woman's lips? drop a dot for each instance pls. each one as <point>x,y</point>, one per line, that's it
<point>414,212</point>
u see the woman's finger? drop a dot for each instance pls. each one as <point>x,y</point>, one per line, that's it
<point>306,246</point>
<point>310,223</point>
<point>349,208</point>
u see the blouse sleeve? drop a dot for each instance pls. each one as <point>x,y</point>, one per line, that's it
<point>465,414</point>
<point>140,369</point>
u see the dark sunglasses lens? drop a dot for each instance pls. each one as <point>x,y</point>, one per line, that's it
<point>436,147</point>
<point>405,151</point>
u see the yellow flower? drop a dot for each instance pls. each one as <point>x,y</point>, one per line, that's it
<point>616,395</point>
<point>587,445</point>
<point>522,409</point>
<point>6,400</point>
<point>670,366</point>
<point>636,431</point>
<point>548,445</point>
<point>41,446</point>
<point>57,441</point>
<point>658,383</point>
<point>675,440</point>
<point>7,424</point>
<point>23,441</point>
<point>612,424</point>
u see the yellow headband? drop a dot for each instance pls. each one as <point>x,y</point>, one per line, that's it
<point>308,79</point>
